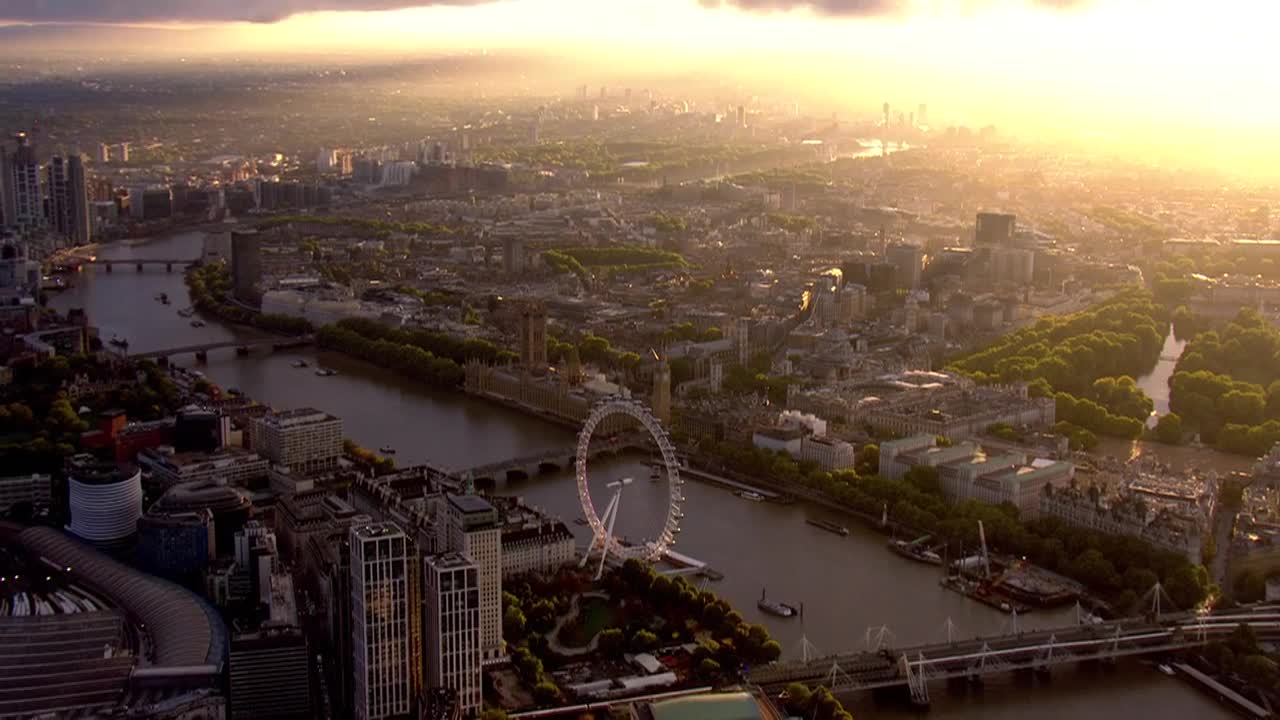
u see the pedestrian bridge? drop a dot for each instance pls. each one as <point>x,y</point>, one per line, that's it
<point>913,668</point>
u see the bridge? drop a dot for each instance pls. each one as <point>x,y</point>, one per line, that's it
<point>202,350</point>
<point>138,263</point>
<point>913,668</point>
<point>552,459</point>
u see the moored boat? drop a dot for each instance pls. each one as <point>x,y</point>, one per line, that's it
<point>773,607</point>
<point>829,526</point>
<point>751,495</point>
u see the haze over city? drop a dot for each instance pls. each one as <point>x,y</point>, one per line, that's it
<point>1181,82</point>
<point>639,360</point>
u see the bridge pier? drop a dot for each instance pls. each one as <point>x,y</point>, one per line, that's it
<point>242,350</point>
<point>168,267</point>
<point>109,267</point>
<point>202,356</point>
<point>139,266</point>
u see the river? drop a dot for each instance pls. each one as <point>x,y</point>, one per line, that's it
<point>847,584</point>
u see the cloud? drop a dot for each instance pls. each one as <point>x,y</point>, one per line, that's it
<point>857,8</point>
<point>138,11</point>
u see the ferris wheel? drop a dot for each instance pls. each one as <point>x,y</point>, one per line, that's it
<point>603,540</point>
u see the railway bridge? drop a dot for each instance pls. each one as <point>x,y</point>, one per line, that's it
<point>913,668</point>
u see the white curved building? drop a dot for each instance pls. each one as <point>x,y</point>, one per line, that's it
<point>105,500</point>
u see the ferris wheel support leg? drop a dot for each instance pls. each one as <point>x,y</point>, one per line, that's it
<point>611,514</point>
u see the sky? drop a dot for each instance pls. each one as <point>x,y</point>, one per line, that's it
<point>1187,76</point>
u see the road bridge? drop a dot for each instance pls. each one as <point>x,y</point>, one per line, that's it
<point>913,668</point>
<point>201,350</point>
<point>138,263</point>
<point>552,459</point>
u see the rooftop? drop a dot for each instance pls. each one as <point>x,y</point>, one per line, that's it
<point>712,706</point>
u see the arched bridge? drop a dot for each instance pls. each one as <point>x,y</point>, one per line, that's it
<point>139,263</point>
<point>275,343</point>
<point>912,668</point>
<point>552,459</point>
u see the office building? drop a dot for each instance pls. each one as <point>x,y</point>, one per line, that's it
<point>105,501</point>
<point>230,507</point>
<point>451,627</point>
<point>533,337</point>
<point>246,264</point>
<point>967,472</point>
<point>269,675</point>
<point>304,440</point>
<point>122,152</point>
<point>381,605</point>
<point>994,229</point>
<point>256,560</point>
<point>232,465</point>
<point>104,153</point>
<point>474,531</point>
<point>513,255</point>
<point>20,200</point>
<point>176,546</point>
<point>33,490</point>
<point>908,263</point>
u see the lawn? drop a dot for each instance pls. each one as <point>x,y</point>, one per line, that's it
<point>594,614</point>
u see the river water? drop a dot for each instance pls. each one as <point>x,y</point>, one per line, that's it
<point>848,585</point>
<point>1156,383</point>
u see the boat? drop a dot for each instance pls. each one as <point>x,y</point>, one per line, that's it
<point>300,363</point>
<point>186,312</point>
<point>751,495</point>
<point>828,526</point>
<point>197,323</point>
<point>325,373</point>
<point>579,521</point>
<point>164,299</point>
<point>654,474</point>
<point>915,550</point>
<point>119,342</point>
<point>387,450</point>
<point>1165,669</point>
<point>774,607</point>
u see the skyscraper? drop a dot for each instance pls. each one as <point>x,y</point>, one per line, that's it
<point>21,203</point>
<point>451,627</point>
<point>246,263</point>
<point>68,198</point>
<point>474,532</point>
<point>380,630</point>
<point>104,153</point>
<point>994,229</point>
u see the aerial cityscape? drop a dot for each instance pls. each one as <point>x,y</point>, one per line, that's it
<point>665,360</point>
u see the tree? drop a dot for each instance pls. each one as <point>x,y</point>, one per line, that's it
<point>513,622</point>
<point>708,669</point>
<point>1169,429</point>
<point>1259,670</point>
<point>546,693</point>
<point>493,714</point>
<point>612,642</point>
<point>798,695</point>
<point>527,664</point>
<point>643,641</point>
